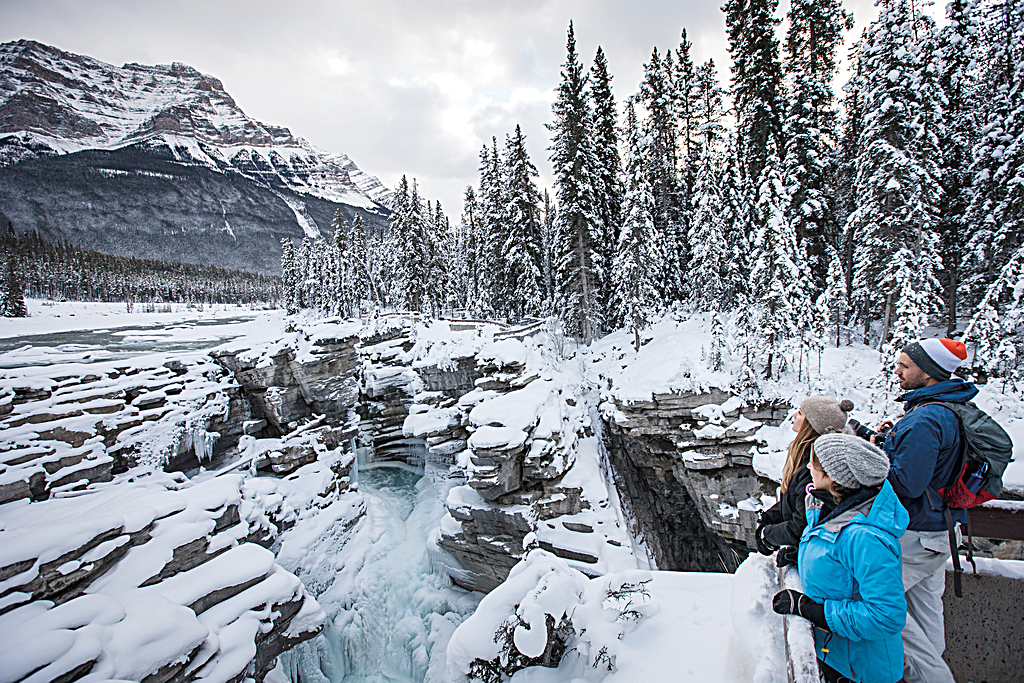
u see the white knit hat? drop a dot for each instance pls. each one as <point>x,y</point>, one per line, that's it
<point>938,358</point>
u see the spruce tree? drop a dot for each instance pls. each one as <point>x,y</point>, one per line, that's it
<point>521,253</point>
<point>833,303</point>
<point>547,247</point>
<point>898,170</point>
<point>775,274</point>
<point>706,237</point>
<point>756,78</point>
<point>709,108</point>
<point>637,260</point>
<point>996,332</point>
<point>958,50</point>
<point>737,208</point>
<point>846,169</point>
<point>579,231</point>
<point>13,293</point>
<point>290,276</point>
<point>686,101</point>
<point>607,187</point>
<point>671,194</point>
<point>471,248</point>
<point>815,32</point>
<point>997,206</point>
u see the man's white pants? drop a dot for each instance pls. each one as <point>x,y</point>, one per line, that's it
<point>924,580</point>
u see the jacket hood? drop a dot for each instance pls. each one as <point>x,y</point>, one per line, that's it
<point>954,390</point>
<point>883,512</point>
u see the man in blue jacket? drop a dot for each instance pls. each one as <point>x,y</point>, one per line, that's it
<point>924,448</point>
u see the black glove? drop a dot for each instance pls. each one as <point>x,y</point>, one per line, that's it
<point>786,557</point>
<point>763,546</point>
<point>790,601</point>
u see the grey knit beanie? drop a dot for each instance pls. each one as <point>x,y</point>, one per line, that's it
<point>826,415</point>
<point>851,461</point>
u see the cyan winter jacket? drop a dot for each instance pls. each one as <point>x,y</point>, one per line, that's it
<point>924,448</point>
<point>852,564</point>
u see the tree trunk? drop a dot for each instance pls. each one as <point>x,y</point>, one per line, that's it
<point>886,320</point>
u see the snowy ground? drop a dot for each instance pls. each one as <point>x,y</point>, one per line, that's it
<point>387,603</point>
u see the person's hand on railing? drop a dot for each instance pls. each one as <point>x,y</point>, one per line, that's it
<point>792,601</point>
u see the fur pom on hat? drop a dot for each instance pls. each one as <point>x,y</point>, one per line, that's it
<point>826,415</point>
<point>851,461</point>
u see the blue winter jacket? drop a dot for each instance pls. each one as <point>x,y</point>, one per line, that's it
<point>924,448</point>
<point>852,564</point>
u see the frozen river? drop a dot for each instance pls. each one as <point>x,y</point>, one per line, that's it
<point>122,342</point>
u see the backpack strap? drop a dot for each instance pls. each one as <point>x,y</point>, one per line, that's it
<point>954,549</point>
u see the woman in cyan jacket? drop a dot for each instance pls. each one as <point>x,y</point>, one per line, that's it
<point>850,564</point>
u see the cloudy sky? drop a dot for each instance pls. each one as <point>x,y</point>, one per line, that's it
<point>401,86</point>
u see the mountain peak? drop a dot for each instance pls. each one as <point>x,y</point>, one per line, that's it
<point>57,102</point>
<point>73,128</point>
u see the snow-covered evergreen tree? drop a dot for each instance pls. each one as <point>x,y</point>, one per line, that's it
<point>997,206</point>
<point>898,170</point>
<point>775,276</point>
<point>290,275</point>
<point>12,297</point>
<point>686,99</point>
<point>737,208</point>
<point>709,109</point>
<point>637,260</point>
<point>607,187</point>
<point>490,275</point>
<point>815,32</point>
<point>707,237</point>
<point>833,306</point>
<point>958,50</point>
<point>996,332</point>
<point>578,272</point>
<point>471,248</point>
<point>756,78</point>
<point>671,194</point>
<point>547,247</point>
<point>846,163</point>
<point>521,252</point>
<point>716,354</point>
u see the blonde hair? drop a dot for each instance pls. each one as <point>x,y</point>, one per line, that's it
<point>838,491</point>
<point>798,453</point>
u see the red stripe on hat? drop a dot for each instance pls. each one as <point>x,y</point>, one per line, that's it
<point>956,348</point>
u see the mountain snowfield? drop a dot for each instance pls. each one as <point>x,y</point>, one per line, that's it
<point>367,557</point>
<point>88,104</point>
<point>160,162</point>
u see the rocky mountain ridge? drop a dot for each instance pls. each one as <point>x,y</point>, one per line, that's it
<point>160,162</point>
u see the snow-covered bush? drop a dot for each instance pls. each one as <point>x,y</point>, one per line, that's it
<point>549,614</point>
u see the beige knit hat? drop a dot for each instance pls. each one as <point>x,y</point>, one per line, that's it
<point>826,415</point>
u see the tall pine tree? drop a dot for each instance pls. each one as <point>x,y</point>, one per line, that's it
<point>579,230</point>
<point>814,35</point>
<point>636,270</point>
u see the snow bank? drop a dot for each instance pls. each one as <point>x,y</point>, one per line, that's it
<point>627,626</point>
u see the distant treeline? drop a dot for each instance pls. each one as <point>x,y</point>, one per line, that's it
<point>58,271</point>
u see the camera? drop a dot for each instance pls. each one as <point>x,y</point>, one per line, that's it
<point>865,432</point>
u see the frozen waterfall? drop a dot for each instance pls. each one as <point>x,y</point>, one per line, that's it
<point>391,611</point>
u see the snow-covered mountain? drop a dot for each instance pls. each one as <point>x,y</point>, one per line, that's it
<point>160,162</point>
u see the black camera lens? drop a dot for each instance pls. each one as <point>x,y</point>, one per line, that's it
<point>861,430</point>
